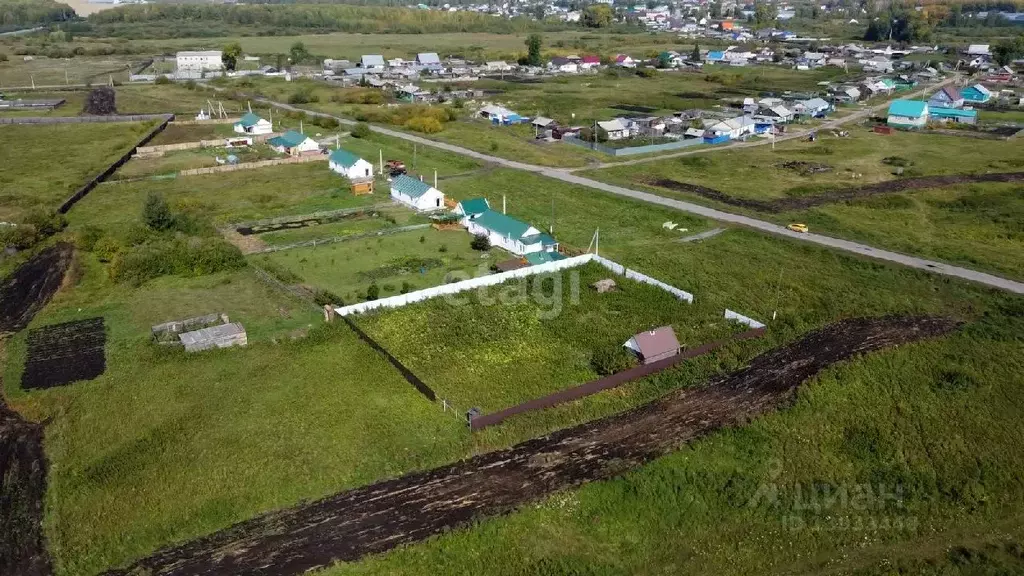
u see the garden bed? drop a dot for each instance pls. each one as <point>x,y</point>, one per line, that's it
<point>64,353</point>
<point>30,287</point>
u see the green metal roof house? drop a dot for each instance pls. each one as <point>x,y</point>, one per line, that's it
<point>513,235</point>
<point>908,114</point>
<point>958,115</point>
<point>294,143</point>
<point>472,207</point>
<point>349,165</point>
<point>252,124</point>
<point>416,194</point>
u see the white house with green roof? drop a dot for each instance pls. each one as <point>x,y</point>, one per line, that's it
<point>294,144</point>
<point>349,165</point>
<point>253,124</point>
<point>469,209</point>
<point>513,235</point>
<point>416,194</point>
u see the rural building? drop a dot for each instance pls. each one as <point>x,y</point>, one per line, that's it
<point>294,144</point>
<point>543,257</point>
<point>561,64</point>
<point>777,114</point>
<point>908,114</point>
<point>416,194</point>
<point>498,66</point>
<point>976,94</point>
<point>199,61</point>
<point>815,107</point>
<point>253,124</point>
<point>500,115</point>
<point>614,129</point>
<point>357,170</point>
<point>978,50</point>
<point>509,233</point>
<point>220,336</point>
<point>955,115</point>
<point>734,128</point>
<point>625,61</point>
<point>948,97</point>
<point>372,63</point>
<point>654,345</point>
<point>471,208</point>
<point>588,62</point>
<point>429,60</point>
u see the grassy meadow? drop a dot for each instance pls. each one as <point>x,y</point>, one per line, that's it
<point>84,150</point>
<point>977,225</point>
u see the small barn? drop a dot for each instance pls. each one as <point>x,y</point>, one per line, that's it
<point>253,124</point>
<point>948,97</point>
<point>357,170</point>
<point>976,94</point>
<point>416,194</point>
<point>294,143</point>
<point>654,345</point>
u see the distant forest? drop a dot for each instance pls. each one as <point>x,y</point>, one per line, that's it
<point>207,20</point>
<point>15,14</point>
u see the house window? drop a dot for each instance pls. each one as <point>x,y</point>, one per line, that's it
<point>367,172</point>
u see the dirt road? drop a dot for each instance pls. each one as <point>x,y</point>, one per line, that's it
<point>387,514</point>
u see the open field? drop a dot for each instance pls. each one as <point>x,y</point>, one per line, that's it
<point>223,198</point>
<point>165,447</point>
<point>178,160</point>
<point>973,224</point>
<point>396,262</point>
<point>79,70</point>
<point>501,346</point>
<point>380,219</point>
<point>68,154</point>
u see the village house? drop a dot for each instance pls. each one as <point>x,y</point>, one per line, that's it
<point>815,107</point>
<point>469,209</point>
<point>252,124</point>
<point>509,233</point>
<point>500,115</point>
<point>590,62</point>
<point>372,63</point>
<point>733,128</point>
<point>908,114</point>
<point>498,66</point>
<point>625,61</point>
<point>564,65</point>
<point>358,171</point>
<point>976,94</point>
<point>954,115</point>
<point>294,143</point>
<point>614,129</point>
<point>416,194</point>
<point>948,97</point>
<point>199,61</point>
<point>776,114</point>
<point>429,61</point>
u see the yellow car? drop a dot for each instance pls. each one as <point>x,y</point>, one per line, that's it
<point>798,228</point>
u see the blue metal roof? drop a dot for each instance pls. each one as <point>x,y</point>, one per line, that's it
<point>344,158</point>
<point>409,186</point>
<point>953,113</point>
<point>908,108</point>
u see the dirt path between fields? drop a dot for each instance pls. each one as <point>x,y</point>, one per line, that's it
<point>833,196</point>
<point>381,516</point>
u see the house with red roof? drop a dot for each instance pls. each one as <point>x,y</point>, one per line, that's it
<point>625,61</point>
<point>588,62</point>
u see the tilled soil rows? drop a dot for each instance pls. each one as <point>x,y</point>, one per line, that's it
<point>63,353</point>
<point>381,516</point>
<point>30,287</point>
<point>22,487</point>
<point>841,195</point>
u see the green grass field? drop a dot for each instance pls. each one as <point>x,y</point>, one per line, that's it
<point>393,262</point>
<point>976,225</point>
<point>165,447</point>
<point>497,347</point>
<point>386,217</point>
<point>69,154</point>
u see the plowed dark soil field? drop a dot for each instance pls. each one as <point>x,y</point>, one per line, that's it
<point>22,487</point>
<point>30,287</point>
<point>833,196</point>
<point>387,514</point>
<point>65,353</point>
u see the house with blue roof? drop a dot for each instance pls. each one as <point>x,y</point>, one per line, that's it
<point>252,124</point>
<point>469,209</point>
<point>513,235</point>
<point>955,115</point>
<point>715,56</point>
<point>976,94</point>
<point>416,194</point>
<point>908,114</point>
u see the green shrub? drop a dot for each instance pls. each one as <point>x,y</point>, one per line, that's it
<point>106,249</point>
<point>162,80</point>
<point>611,360</point>
<point>372,292</point>
<point>480,242</point>
<point>361,130</point>
<point>326,297</point>
<point>424,125</point>
<point>156,213</point>
<point>303,95</point>
<point>179,257</point>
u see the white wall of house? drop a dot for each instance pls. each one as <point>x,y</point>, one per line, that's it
<point>513,245</point>
<point>361,170</point>
<point>919,122</point>
<point>262,127</point>
<point>432,199</point>
<point>199,61</point>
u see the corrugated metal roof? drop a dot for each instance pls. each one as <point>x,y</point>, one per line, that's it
<point>289,139</point>
<point>474,206</point>
<point>409,186</point>
<point>428,58</point>
<point>502,224</point>
<point>908,108</point>
<point>372,60</point>
<point>248,120</point>
<point>535,258</point>
<point>344,158</point>
<point>654,343</point>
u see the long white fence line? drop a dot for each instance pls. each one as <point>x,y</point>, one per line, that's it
<point>730,315</point>
<point>639,277</point>
<point>501,277</point>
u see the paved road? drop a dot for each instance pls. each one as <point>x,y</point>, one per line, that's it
<point>719,215</point>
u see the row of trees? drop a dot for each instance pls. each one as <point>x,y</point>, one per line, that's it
<point>1008,50</point>
<point>27,13</point>
<point>899,25</point>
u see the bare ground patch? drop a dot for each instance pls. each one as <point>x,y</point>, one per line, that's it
<point>381,516</point>
<point>25,291</point>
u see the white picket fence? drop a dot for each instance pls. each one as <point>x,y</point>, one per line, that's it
<point>494,279</point>
<point>730,315</point>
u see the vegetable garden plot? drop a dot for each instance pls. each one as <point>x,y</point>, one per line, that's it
<point>65,353</point>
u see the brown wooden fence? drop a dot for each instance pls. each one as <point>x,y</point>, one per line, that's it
<point>608,382</point>
<point>159,149</point>
<point>254,165</point>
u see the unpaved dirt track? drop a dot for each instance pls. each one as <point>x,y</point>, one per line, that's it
<point>22,488</point>
<point>387,514</point>
<point>833,196</point>
<point>30,287</point>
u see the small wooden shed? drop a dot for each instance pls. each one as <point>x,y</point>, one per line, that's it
<point>654,345</point>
